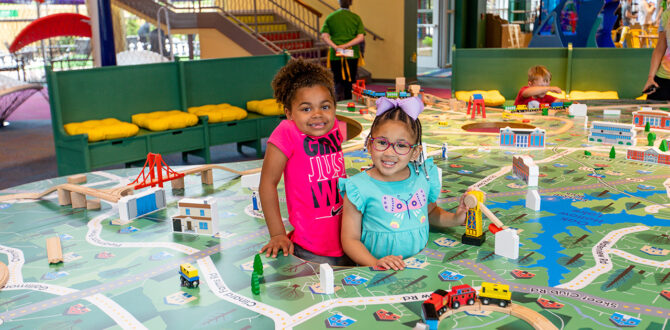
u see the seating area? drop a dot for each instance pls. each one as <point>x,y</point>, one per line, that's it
<point>148,88</point>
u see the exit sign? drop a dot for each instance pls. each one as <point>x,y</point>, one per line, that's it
<point>5,13</point>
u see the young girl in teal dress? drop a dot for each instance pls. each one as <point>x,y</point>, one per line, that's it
<point>388,207</point>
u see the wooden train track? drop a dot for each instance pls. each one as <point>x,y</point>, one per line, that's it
<point>4,274</point>
<point>535,319</point>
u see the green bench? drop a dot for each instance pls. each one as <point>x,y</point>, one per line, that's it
<point>122,91</point>
<point>586,69</point>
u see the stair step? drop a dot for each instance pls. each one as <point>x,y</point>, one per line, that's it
<point>295,44</point>
<point>284,35</point>
<point>309,53</point>
<point>262,19</point>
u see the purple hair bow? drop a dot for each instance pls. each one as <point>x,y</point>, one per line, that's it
<point>412,106</point>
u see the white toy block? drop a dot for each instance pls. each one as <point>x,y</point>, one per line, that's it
<point>577,110</point>
<point>327,279</point>
<point>251,181</point>
<point>507,243</point>
<point>612,112</point>
<point>421,326</point>
<point>533,200</point>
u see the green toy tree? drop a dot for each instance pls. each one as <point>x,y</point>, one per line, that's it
<point>663,146</point>
<point>258,265</point>
<point>647,127</point>
<point>255,283</point>
<point>612,153</point>
<point>587,153</point>
<point>651,137</point>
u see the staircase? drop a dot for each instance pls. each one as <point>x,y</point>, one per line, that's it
<point>260,31</point>
<point>286,35</point>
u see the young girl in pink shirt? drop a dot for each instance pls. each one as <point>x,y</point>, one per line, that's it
<point>307,150</point>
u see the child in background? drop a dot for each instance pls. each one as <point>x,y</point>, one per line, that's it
<point>307,150</point>
<point>386,207</point>
<point>538,85</point>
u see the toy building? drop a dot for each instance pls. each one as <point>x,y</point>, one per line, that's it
<point>612,133</point>
<point>650,155</point>
<point>196,216</point>
<point>524,167</point>
<point>655,118</point>
<point>522,137</point>
<point>135,206</point>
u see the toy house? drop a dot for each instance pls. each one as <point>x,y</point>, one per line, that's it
<point>196,216</point>
<point>522,137</point>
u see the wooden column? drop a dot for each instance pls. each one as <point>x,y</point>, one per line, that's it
<point>207,177</point>
<point>178,183</point>
<point>78,200</point>
<point>64,197</point>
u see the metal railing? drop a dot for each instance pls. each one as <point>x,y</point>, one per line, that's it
<point>203,6</point>
<point>302,16</point>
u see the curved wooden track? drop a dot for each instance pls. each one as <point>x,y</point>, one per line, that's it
<point>4,275</point>
<point>535,319</point>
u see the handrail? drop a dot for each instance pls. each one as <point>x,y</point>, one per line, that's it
<point>288,12</point>
<point>374,35</point>
<point>247,29</point>
<point>308,7</point>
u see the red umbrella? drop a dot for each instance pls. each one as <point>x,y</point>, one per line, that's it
<point>56,25</point>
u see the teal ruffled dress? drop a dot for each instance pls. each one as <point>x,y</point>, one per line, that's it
<point>395,214</point>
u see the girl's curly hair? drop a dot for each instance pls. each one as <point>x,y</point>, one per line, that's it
<point>299,73</point>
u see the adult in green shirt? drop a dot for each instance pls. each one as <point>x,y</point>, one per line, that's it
<point>343,30</point>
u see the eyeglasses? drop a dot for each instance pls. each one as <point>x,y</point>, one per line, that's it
<point>400,147</point>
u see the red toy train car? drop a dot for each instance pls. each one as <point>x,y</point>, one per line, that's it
<point>440,300</point>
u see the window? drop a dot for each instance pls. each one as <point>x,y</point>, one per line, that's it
<point>637,120</point>
<point>203,225</point>
<point>188,211</point>
<point>202,213</point>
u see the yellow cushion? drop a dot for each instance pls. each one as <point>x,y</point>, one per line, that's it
<point>164,120</point>
<point>219,112</point>
<point>105,129</point>
<point>267,107</point>
<point>593,95</point>
<point>643,97</point>
<point>491,98</point>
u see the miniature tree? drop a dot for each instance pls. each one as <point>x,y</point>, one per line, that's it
<point>258,265</point>
<point>647,127</point>
<point>255,283</point>
<point>587,153</point>
<point>612,153</point>
<point>663,146</point>
<point>651,137</point>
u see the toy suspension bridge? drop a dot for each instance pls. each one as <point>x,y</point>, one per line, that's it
<point>154,173</point>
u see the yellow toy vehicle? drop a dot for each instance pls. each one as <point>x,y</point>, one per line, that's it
<point>495,293</point>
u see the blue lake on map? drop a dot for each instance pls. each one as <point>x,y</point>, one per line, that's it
<point>562,208</point>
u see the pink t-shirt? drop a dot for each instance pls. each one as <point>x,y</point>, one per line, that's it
<point>310,178</point>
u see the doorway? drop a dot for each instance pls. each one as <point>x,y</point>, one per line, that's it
<point>435,20</point>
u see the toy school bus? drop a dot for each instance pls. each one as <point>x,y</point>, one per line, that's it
<point>189,275</point>
<point>495,293</point>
